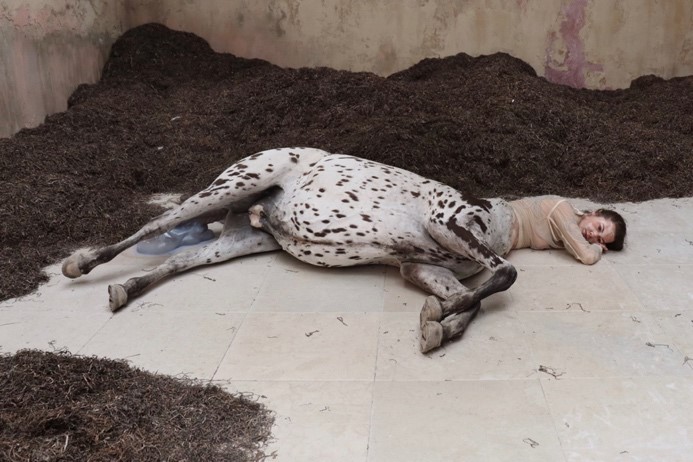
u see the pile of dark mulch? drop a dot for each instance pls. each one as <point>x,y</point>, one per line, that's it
<point>169,114</point>
<point>54,406</point>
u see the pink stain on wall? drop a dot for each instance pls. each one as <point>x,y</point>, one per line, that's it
<point>21,17</point>
<point>571,70</point>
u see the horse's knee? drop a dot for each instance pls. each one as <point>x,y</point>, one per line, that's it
<point>506,274</point>
<point>408,271</point>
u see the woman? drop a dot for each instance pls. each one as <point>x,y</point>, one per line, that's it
<point>550,222</point>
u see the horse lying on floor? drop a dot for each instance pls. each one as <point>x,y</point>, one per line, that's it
<point>337,210</point>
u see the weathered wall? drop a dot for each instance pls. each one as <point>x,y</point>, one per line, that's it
<point>583,43</point>
<point>48,47</point>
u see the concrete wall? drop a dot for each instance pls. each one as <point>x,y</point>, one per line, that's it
<point>583,43</point>
<point>48,47</point>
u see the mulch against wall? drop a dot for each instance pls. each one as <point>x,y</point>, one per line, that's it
<point>59,407</point>
<point>169,114</point>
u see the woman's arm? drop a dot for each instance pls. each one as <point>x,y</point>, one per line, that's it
<point>565,229</point>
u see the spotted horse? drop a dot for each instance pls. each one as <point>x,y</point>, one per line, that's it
<point>336,210</point>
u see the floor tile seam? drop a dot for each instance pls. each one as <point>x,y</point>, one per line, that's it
<point>528,378</point>
<point>619,377</point>
<point>460,380</point>
<point>46,309</point>
<point>295,380</point>
<point>665,310</point>
<point>577,311</point>
<point>206,311</point>
<point>552,417</point>
<point>371,414</point>
<point>546,265</point>
<point>526,330</point>
<point>650,265</point>
<point>228,347</point>
<point>687,360</point>
<point>360,381</point>
<point>265,282</point>
<point>336,312</point>
<point>103,325</point>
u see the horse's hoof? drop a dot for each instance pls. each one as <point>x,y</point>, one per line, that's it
<point>117,296</point>
<point>431,311</point>
<point>431,336</point>
<point>71,266</point>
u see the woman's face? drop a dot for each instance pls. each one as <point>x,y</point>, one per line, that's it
<point>597,230</point>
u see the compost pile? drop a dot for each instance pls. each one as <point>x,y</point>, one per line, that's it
<point>55,406</point>
<point>169,114</point>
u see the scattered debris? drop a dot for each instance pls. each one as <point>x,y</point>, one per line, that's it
<point>653,345</point>
<point>341,319</point>
<point>635,319</point>
<point>551,371</point>
<point>531,442</point>
<point>570,305</point>
<point>308,334</point>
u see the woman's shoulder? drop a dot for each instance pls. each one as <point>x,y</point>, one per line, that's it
<point>549,203</point>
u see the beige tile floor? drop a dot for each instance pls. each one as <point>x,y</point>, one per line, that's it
<point>573,363</point>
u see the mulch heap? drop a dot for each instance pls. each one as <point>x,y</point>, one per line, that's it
<point>169,114</point>
<point>58,407</point>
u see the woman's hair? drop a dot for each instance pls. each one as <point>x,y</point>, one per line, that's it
<point>619,225</point>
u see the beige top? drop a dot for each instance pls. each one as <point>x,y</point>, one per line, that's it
<point>550,222</point>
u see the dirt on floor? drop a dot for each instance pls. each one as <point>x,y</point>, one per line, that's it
<point>59,407</point>
<point>169,114</point>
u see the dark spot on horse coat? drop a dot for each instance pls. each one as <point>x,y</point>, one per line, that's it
<point>471,240</point>
<point>481,223</point>
<point>476,202</point>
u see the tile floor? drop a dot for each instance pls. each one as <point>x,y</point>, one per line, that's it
<point>573,363</point>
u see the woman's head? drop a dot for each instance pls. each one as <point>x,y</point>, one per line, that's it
<point>604,227</point>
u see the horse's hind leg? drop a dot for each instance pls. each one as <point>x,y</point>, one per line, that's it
<point>235,189</point>
<point>81,263</point>
<point>238,238</point>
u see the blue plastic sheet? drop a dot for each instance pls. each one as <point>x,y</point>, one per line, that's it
<point>189,233</point>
